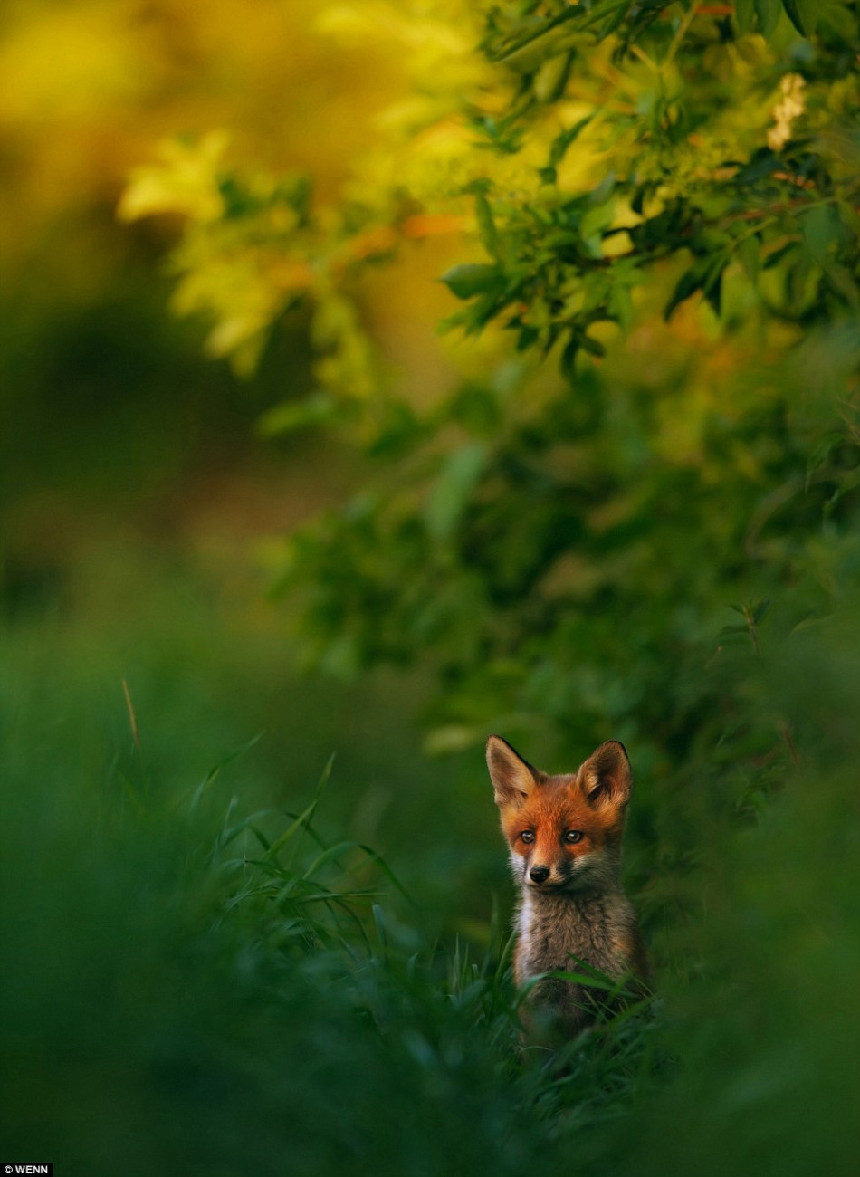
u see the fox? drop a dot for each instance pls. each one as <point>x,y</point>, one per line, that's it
<point>565,836</point>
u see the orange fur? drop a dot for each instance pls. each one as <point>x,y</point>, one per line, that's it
<point>565,834</point>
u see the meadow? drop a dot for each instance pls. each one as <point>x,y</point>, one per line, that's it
<point>278,555</point>
<point>208,969</point>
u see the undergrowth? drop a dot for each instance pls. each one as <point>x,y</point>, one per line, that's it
<point>191,985</point>
<point>193,990</point>
<point>441,1016</point>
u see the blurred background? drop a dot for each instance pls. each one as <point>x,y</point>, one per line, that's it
<point>206,593</point>
<point>136,491</point>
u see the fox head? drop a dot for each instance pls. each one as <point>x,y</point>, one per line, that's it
<point>564,832</point>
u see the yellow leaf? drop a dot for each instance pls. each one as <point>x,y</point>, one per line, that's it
<point>184,183</point>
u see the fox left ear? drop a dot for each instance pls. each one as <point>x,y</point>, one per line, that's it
<point>513,778</point>
<point>606,776</point>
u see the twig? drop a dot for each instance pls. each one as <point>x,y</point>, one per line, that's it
<point>132,716</point>
<point>786,733</point>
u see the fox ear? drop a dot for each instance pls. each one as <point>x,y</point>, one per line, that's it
<point>606,776</point>
<point>513,778</point>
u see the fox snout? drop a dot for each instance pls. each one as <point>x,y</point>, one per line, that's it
<point>542,873</point>
<point>550,876</point>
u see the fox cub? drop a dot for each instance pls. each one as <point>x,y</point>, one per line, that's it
<point>564,834</point>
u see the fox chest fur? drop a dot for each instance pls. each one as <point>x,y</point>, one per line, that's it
<point>565,833</point>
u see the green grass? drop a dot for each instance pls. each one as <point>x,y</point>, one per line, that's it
<point>194,990</point>
<point>208,967</point>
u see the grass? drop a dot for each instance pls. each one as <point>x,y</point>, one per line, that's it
<point>193,992</point>
<point>207,971</point>
<point>194,984</point>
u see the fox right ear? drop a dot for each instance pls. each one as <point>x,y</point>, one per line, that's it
<point>606,776</point>
<point>513,778</point>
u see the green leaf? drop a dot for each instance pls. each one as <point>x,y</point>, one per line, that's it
<point>401,430</point>
<point>802,15</point>
<point>749,256</point>
<point>600,194</point>
<point>476,408</point>
<point>593,224</point>
<point>563,141</point>
<point>528,336</point>
<point>713,290</point>
<point>486,224</point>
<point>467,280</point>
<point>457,478</point>
<point>840,20</point>
<point>687,285</point>
<point>535,41</point>
<point>768,15</point>
<point>567,360</point>
<point>820,454</point>
<point>452,737</point>
<point>760,610</point>
<point>762,163</point>
<point>745,15</point>
<point>620,305</point>
<point>552,78</point>
<point>841,281</point>
<point>820,226</point>
<point>593,346</point>
<point>319,409</point>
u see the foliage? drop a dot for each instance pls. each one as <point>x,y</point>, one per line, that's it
<point>199,989</point>
<point>633,514</point>
<point>662,199</point>
<point>592,142</point>
<point>195,989</point>
<point>107,408</point>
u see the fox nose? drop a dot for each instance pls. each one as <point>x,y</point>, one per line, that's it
<point>539,874</point>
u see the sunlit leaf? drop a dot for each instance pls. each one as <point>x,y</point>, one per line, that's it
<point>469,279</point>
<point>319,409</point>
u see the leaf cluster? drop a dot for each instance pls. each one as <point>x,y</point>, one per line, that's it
<point>662,200</point>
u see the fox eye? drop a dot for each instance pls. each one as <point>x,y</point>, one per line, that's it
<point>573,836</point>
<point>527,836</point>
